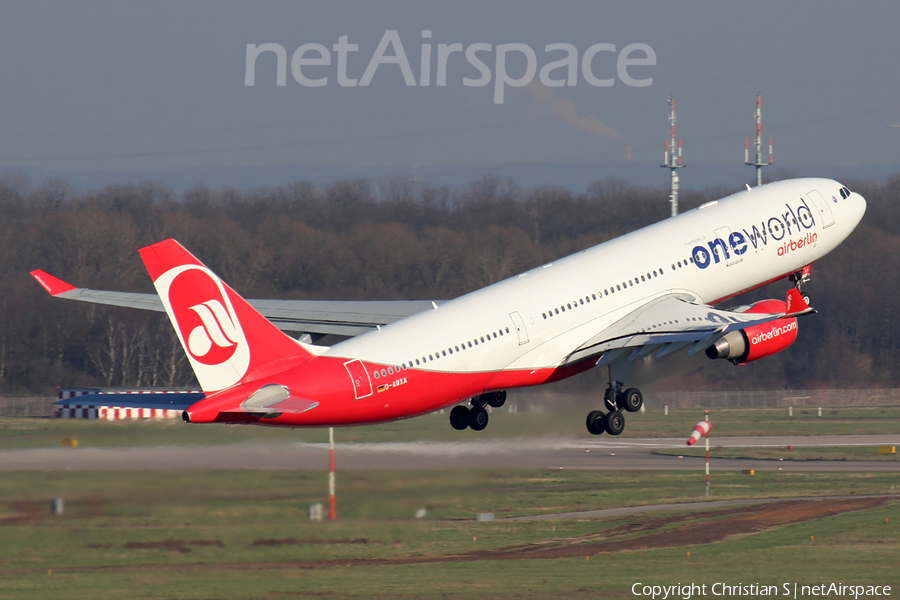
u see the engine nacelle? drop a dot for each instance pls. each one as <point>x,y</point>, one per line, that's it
<point>758,341</point>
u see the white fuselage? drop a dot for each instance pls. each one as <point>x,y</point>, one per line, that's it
<point>711,253</point>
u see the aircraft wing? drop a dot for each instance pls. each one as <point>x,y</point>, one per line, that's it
<point>670,324</point>
<point>317,317</point>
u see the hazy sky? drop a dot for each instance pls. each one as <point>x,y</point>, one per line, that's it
<point>97,85</point>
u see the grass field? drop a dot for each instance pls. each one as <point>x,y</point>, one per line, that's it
<point>245,534</point>
<point>235,534</point>
<point>565,419</point>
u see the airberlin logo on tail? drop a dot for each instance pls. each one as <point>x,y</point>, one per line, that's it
<point>199,307</point>
<point>217,328</point>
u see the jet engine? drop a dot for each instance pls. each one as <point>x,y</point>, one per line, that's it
<point>757,341</point>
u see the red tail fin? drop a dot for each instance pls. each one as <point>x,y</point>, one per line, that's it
<point>224,338</point>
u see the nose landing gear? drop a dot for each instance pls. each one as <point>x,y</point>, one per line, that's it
<point>801,278</point>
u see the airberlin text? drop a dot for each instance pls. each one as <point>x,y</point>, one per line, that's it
<point>796,221</point>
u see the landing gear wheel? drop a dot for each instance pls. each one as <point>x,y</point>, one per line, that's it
<point>596,422</point>
<point>495,399</point>
<point>615,423</point>
<point>459,417</point>
<point>478,418</point>
<point>632,400</point>
<point>807,300</point>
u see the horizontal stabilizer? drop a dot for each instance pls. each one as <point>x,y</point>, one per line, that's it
<point>160,401</point>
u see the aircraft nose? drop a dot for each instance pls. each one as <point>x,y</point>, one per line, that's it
<point>859,204</point>
<point>854,208</point>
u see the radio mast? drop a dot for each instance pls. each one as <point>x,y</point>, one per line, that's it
<point>759,164</point>
<point>672,160</point>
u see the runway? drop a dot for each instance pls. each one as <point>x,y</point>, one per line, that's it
<point>621,454</point>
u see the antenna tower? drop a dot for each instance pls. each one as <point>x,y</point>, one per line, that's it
<point>759,164</point>
<point>672,160</point>
<point>415,179</point>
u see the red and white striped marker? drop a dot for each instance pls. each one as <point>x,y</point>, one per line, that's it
<point>702,428</point>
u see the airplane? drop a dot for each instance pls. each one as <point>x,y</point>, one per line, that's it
<point>649,292</point>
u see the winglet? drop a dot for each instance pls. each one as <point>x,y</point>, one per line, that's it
<point>54,286</point>
<point>795,305</point>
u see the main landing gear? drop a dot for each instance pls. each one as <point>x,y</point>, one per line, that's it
<point>616,400</point>
<point>801,278</point>
<point>477,416</point>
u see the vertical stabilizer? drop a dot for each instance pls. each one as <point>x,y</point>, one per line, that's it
<point>225,339</point>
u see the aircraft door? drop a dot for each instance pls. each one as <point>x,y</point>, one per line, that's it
<point>520,327</point>
<point>824,210</point>
<point>362,385</point>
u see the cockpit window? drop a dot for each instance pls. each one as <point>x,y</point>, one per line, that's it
<point>845,193</point>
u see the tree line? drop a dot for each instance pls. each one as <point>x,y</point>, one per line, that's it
<point>384,239</point>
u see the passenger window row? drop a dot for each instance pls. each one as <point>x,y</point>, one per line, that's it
<point>683,263</point>
<point>493,335</point>
<point>605,292</point>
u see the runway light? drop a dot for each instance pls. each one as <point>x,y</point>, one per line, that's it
<point>812,537</point>
<point>689,553</point>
